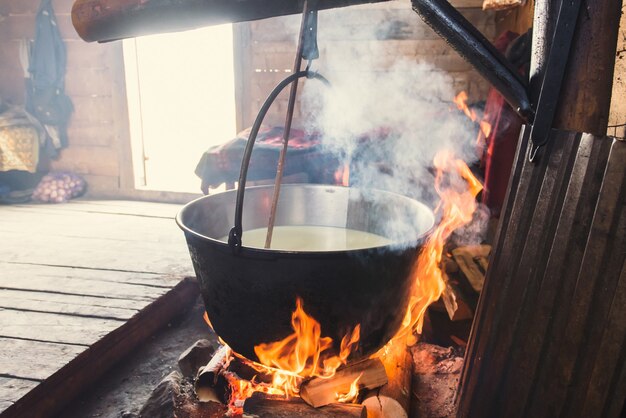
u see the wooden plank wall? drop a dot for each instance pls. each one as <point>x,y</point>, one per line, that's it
<point>617,117</point>
<point>549,337</point>
<point>269,47</point>
<point>95,133</point>
<point>99,143</point>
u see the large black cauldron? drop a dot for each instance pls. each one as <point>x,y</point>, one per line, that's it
<point>250,293</point>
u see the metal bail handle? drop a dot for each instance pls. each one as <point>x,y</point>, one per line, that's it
<point>236,232</point>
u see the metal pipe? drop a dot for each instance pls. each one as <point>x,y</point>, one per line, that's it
<point>444,19</point>
<point>109,20</point>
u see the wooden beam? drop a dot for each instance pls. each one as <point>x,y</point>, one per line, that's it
<point>108,20</point>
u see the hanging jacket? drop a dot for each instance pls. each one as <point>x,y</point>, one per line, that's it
<point>45,90</point>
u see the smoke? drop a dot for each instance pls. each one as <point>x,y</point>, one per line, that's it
<point>386,114</point>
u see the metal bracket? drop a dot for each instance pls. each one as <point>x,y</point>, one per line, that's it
<point>309,37</point>
<point>553,76</point>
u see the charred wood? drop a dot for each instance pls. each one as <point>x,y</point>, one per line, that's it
<point>211,384</point>
<point>267,406</point>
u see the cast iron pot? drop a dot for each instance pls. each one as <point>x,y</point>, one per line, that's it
<point>250,293</point>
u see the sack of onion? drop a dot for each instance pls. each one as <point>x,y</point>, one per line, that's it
<point>59,187</point>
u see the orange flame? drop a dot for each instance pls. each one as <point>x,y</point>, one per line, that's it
<point>242,389</point>
<point>342,175</point>
<point>207,320</point>
<point>485,127</point>
<point>461,103</point>
<point>457,206</point>
<point>302,354</point>
<point>352,393</point>
<point>305,352</point>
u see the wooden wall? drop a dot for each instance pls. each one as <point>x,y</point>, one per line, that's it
<point>99,144</point>
<point>617,118</point>
<point>98,126</point>
<point>269,45</point>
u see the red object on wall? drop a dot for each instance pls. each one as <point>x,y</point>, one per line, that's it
<point>501,143</point>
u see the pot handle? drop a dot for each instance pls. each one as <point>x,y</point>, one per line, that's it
<point>235,235</point>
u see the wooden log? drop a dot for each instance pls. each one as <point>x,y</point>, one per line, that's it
<point>392,400</point>
<point>455,303</point>
<point>266,406</point>
<point>319,392</point>
<point>108,20</point>
<point>472,261</point>
<point>211,384</point>
<point>245,371</point>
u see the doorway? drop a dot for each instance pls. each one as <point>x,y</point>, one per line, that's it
<point>181,100</point>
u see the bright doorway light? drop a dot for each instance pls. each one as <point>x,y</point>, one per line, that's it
<point>181,100</point>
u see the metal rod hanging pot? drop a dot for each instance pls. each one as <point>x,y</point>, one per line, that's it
<point>477,50</point>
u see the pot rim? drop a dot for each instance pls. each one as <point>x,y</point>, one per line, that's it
<point>244,250</point>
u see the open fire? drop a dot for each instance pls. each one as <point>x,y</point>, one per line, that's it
<point>484,127</point>
<point>307,353</point>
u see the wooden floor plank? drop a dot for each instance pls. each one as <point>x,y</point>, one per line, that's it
<point>51,395</point>
<point>34,359</point>
<point>96,253</point>
<point>91,287</point>
<point>121,207</point>
<point>105,226</point>
<point>65,304</point>
<point>19,271</point>
<point>81,285</point>
<point>12,389</point>
<point>53,327</point>
<point>62,298</point>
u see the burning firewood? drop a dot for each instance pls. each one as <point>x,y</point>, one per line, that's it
<point>393,399</point>
<point>456,305</point>
<point>267,406</point>
<point>472,261</point>
<point>367,374</point>
<point>211,384</point>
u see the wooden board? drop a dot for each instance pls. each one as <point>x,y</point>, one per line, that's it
<point>82,284</point>
<point>35,360</point>
<point>12,389</point>
<point>60,303</point>
<point>550,331</point>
